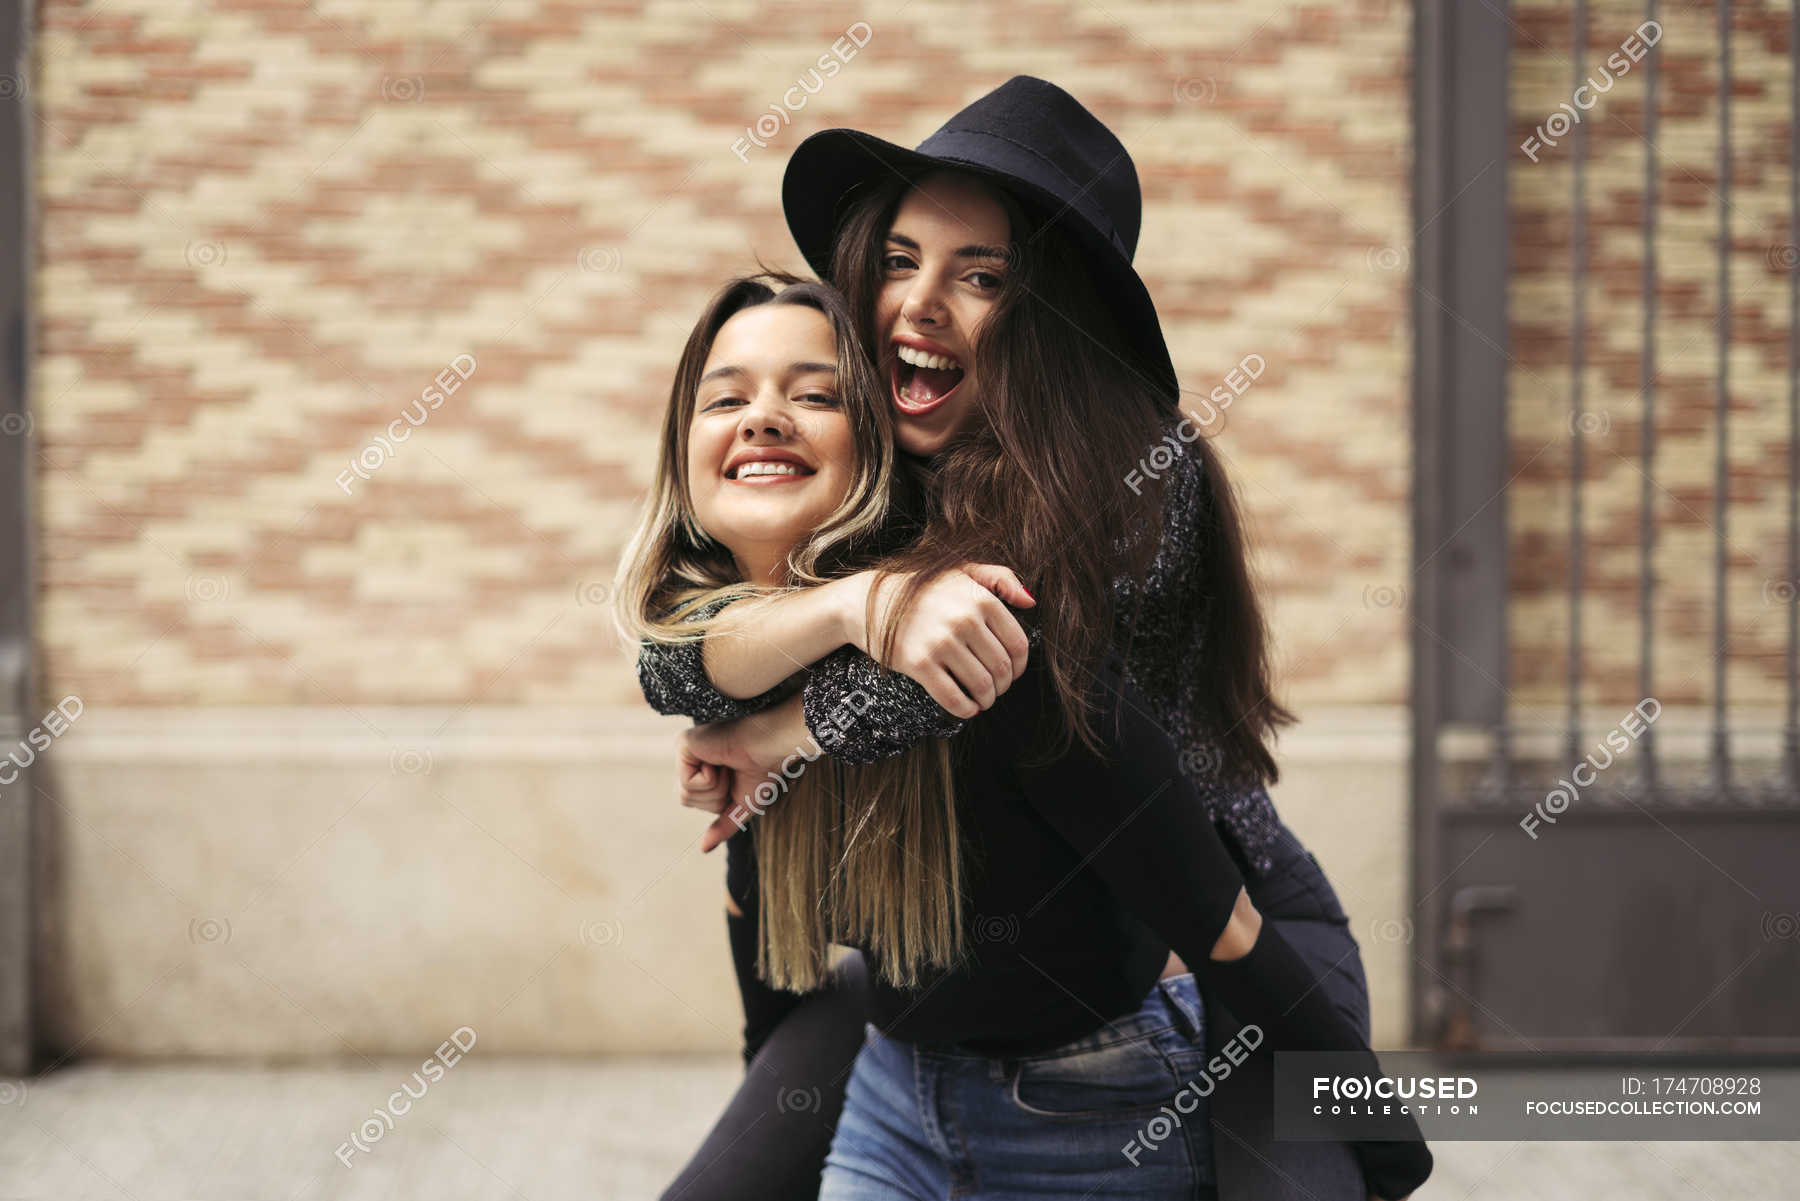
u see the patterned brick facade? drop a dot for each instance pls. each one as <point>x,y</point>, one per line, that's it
<point>267,226</point>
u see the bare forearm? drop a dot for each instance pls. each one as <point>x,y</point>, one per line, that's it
<point>1240,932</point>
<point>756,644</point>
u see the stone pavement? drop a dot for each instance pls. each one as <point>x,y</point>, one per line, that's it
<point>613,1130</point>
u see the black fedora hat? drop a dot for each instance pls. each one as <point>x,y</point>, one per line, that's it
<point>1029,137</point>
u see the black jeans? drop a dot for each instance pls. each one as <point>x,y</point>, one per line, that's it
<point>770,1142</point>
<point>1251,1165</point>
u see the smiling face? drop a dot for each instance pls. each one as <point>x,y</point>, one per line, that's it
<point>942,268</point>
<point>770,452</point>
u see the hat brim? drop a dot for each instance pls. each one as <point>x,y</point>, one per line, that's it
<point>831,167</point>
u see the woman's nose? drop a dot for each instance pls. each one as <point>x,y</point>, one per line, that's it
<point>924,304</point>
<point>764,421</point>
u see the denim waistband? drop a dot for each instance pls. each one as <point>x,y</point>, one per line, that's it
<point>1173,1003</point>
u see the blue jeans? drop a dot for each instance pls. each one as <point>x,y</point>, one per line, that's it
<point>1091,1118</point>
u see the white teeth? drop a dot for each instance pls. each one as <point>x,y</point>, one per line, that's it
<point>918,358</point>
<point>767,467</point>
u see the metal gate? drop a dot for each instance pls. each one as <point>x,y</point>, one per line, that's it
<point>1620,873</point>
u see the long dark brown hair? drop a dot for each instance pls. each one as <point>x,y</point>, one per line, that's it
<point>1038,479</point>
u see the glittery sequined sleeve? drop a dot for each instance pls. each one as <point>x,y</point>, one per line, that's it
<point>860,712</point>
<point>673,678</point>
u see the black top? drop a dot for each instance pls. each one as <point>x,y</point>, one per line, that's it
<point>1082,873</point>
<point>1058,866</point>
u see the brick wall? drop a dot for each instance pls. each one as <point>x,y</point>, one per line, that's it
<point>267,226</point>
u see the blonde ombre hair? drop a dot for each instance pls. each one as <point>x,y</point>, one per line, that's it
<point>868,854</point>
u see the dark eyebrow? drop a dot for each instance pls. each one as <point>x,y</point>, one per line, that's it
<point>728,369</point>
<point>802,368</point>
<point>974,250</point>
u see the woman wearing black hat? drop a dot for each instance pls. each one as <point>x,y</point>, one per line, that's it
<point>1025,361</point>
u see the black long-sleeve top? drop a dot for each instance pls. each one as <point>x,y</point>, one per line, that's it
<point>1080,875</point>
<point>1083,872</point>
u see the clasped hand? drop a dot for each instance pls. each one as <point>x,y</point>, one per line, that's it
<point>958,640</point>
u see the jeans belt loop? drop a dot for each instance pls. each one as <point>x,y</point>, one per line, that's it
<point>1191,1024</point>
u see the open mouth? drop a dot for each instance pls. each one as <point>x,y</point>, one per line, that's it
<point>921,381</point>
<point>763,472</point>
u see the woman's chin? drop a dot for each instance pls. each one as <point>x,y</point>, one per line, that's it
<point>764,523</point>
<point>925,434</point>
<point>920,439</point>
